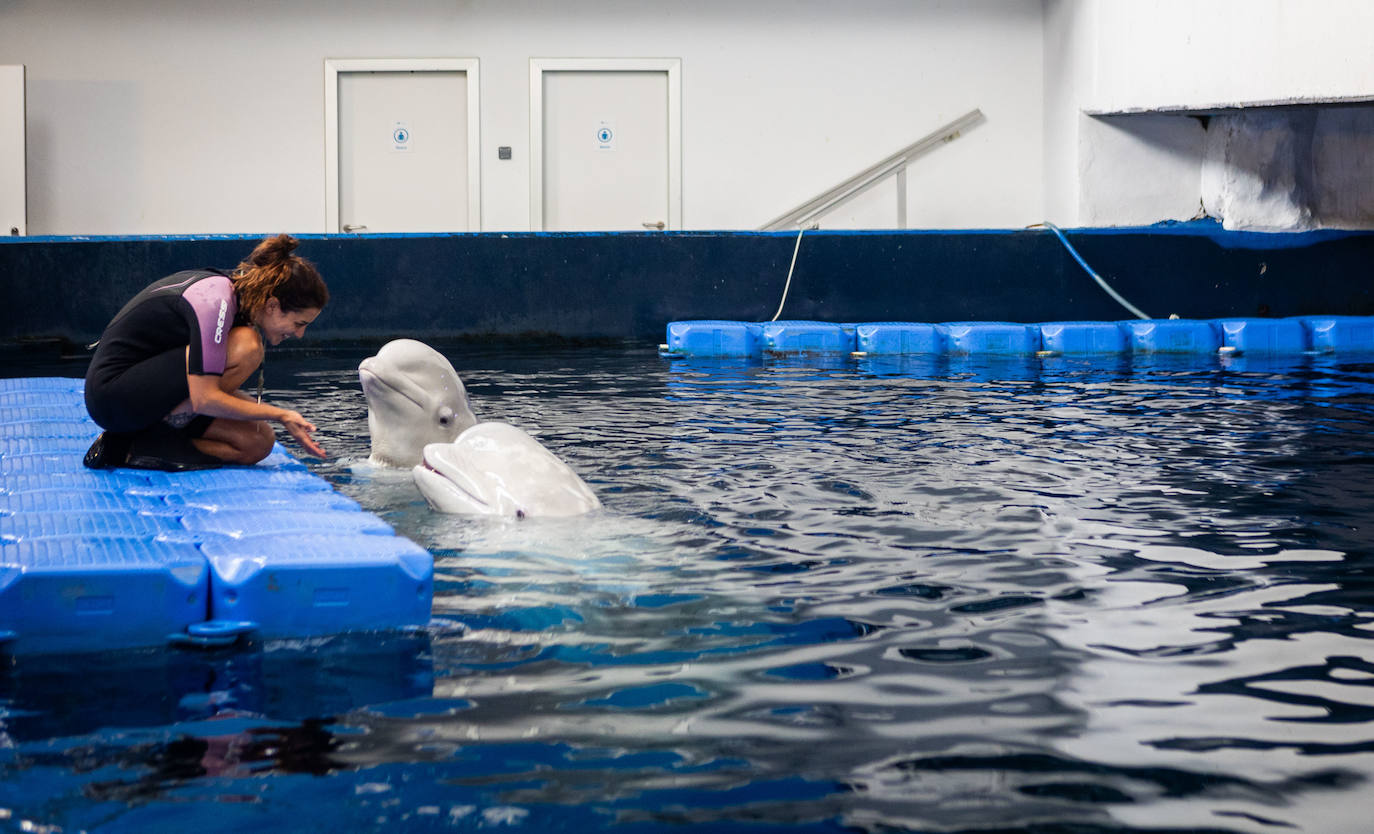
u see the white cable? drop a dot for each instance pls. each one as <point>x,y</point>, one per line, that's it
<point>785,287</point>
<point>1103,284</point>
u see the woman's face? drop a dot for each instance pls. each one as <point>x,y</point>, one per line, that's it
<point>278,325</point>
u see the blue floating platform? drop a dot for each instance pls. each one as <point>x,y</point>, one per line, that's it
<point>318,582</point>
<point>96,560</point>
<point>897,337</point>
<point>715,338</point>
<point>1171,336</point>
<point>1082,337</point>
<point>784,337</point>
<point>70,594</point>
<point>1323,334</point>
<point>994,338</point>
<point>1264,335</point>
<point>1333,334</point>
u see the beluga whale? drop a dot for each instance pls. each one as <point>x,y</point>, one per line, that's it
<point>414,397</point>
<point>418,416</point>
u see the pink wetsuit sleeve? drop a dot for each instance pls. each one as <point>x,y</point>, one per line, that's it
<point>213,307</point>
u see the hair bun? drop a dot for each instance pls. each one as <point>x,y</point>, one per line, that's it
<point>273,250</point>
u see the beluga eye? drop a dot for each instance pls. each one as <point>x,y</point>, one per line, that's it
<point>445,416</point>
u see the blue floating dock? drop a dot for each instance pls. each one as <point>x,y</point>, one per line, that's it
<point>715,338</point>
<point>1319,334</point>
<point>1082,337</point>
<point>1339,333</point>
<point>1264,335</point>
<point>896,337</point>
<point>1171,336</point>
<point>989,338</point>
<point>784,337</point>
<point>96,560</point>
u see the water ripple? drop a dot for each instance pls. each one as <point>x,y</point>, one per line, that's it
<point>884,594</point>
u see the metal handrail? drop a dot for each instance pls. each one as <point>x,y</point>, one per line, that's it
<point>864,180</point>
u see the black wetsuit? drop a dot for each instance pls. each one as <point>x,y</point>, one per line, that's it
<point>138,373</point>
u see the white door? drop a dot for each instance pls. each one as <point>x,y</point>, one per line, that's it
<point>405,145</point>
<point>12,187</point>
<point>607,154</point>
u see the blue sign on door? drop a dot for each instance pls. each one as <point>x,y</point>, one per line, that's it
<point>400,137</point>
<point>605,136</point>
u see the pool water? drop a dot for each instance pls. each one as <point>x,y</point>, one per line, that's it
<point>936,595</point>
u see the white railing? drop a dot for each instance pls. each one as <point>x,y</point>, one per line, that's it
<point>894,165</point>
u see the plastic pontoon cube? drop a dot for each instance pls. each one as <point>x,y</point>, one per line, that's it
<point>993,338</point>
<point>897,337</point>
<point>1330,334</point>
<point>1082,337</point>
<point>715,338</point>
<point>807,337</point>
<point>1263,335</point>
<point>1171,336</point>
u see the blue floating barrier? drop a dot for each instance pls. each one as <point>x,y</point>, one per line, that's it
<point>320,584</point>
<point>122,558</point>
<point>44,463</point>
<point>259,500</point>
<point>69,414</point>
<point>83,594</point>
<point>237,477</point>
<point>1263,335</point>
<point>715,338</point>
<point>989,337</point>
<point>1339,333</point>
<point>1082,337</point>
<point>807,337</point>
<point>897,337</point>
<point>82,501</point>
<point>41,398</point>
<point>243,523</point>
<point>66,429</point>
<point>43,383</point>
<point>281,459</point>
<point>1170,336</point>
<point>75,446</point>
<point>119,479</point>
<point>111,524</point>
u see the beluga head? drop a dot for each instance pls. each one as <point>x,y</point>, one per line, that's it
<point>498,469</point>
<point>414,398</point>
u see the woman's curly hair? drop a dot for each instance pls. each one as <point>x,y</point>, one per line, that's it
<point>271,271</point>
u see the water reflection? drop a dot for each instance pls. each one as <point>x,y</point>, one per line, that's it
<point>917,594</point>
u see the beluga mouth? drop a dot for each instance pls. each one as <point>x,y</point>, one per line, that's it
<point>497,469</point>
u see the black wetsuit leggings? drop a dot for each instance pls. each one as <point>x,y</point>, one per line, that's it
<point>141,395</point>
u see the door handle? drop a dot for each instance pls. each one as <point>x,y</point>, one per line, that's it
<point>354,227</point>
<point>658,225</point>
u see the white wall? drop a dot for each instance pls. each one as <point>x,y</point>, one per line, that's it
<point>206,116</point>
<point>12,150</point>
<point>203,116</point>
<point>1070,43</point>
<point>1121,79</point>
<point>1156,55</point>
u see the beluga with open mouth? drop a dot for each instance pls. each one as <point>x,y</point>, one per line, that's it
<point>418,416</point>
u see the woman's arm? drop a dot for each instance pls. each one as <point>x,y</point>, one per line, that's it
<point>208,399</point>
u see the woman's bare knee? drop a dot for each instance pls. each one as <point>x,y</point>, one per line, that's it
<point>257,445</point>
<point>236,441</point>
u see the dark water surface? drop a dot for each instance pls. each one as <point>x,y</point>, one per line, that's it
<point>875,595</point>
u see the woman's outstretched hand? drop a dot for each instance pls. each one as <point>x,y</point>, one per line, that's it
<point>300,428</point>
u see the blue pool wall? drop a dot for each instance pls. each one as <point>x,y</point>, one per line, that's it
<point>627,286</point>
